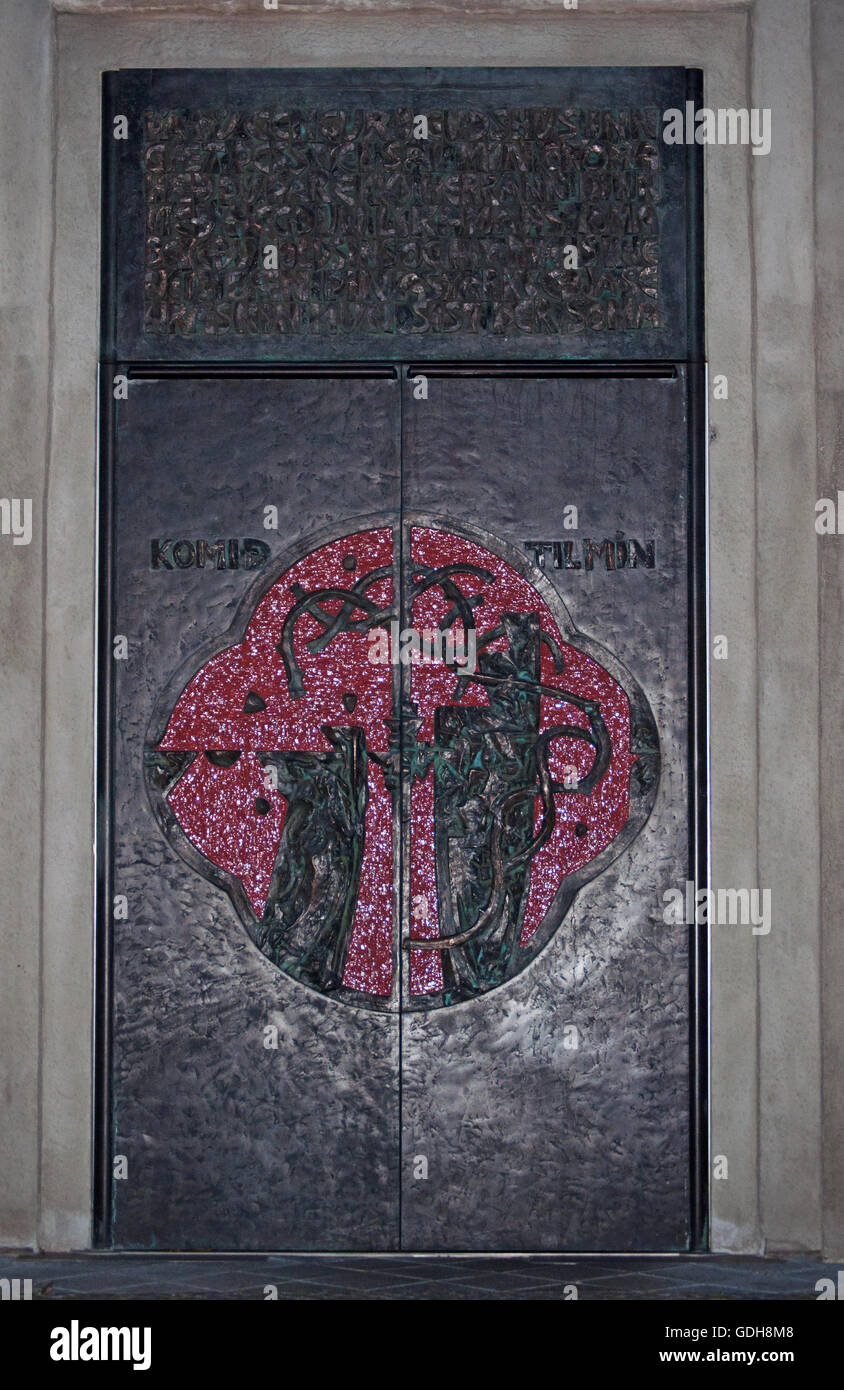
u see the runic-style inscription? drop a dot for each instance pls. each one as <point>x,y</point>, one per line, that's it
<point>377,232</point>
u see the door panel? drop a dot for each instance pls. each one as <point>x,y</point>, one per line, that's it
<point>301,1060</point>
<point>537,1136</point>
<point>236,1137</point>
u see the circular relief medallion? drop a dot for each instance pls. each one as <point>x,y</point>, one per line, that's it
<point>402,764</point>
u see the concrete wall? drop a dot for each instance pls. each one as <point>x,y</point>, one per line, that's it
<point>787,632</point>
<point>829,356</point>
<point>26,149</point>
<point>773,792</point>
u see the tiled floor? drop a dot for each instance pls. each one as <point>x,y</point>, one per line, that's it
<point>407,1277</point>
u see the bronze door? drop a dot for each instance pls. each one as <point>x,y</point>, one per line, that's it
<point>401,742</point>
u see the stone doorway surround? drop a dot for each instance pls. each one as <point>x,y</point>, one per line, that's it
<point>777,702</point>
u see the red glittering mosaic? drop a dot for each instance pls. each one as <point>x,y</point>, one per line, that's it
<point>215,805</point>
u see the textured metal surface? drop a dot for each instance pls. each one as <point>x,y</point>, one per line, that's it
<point>386,244</point>
<point>231,1144</point>
<point>530,1143</point>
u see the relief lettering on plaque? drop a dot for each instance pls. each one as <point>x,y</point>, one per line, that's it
<point>372,231</point>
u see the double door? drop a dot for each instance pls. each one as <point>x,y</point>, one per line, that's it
<point>398,776</point>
